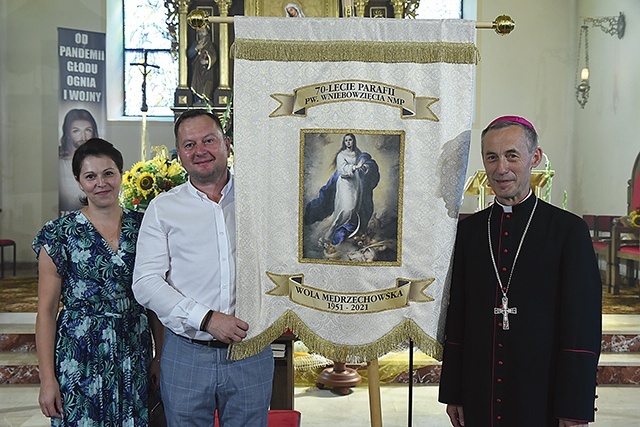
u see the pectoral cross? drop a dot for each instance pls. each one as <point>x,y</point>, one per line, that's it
<point>505,311</point>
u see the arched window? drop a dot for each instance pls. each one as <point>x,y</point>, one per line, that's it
<point>146,33</point>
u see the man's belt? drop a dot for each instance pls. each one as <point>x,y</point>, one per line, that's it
<point>212,343</point>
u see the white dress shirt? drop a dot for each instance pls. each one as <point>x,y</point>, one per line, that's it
<point>185,258</point>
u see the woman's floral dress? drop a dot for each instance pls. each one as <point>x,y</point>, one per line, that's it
<point>103,341</point>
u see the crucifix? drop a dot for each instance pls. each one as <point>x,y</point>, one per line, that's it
<point>144,65</point>
<point>505,311</point>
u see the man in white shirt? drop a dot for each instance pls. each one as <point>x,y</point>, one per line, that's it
<point>185,272</point>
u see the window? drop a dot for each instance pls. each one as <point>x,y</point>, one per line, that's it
<point>146,34</point>
<point>439,9</point>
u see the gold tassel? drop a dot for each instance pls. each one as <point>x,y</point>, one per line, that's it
<point>338,352</point>
<point>361,51</point>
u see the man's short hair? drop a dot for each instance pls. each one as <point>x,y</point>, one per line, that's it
<point>530,133</point>
<point>190,114</point>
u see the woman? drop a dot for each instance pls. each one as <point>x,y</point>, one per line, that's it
<point>93,360</point>
<point>347,196</point>
<point>292,10</point>
<point>77,128</point>
<point>347,164</point>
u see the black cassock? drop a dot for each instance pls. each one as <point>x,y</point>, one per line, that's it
<point>544,366</point>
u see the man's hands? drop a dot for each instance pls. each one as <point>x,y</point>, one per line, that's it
<point>456,415</point>
<point>226,328</point>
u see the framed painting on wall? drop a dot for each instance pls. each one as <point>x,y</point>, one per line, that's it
<point>293,8</point>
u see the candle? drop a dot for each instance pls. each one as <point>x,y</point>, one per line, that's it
<point>584,74</point>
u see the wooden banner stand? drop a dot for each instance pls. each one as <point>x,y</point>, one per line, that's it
<point>375,408</point>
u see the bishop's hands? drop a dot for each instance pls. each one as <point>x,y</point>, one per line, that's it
<point>569,423</point>
<point>456,415</point>
<point>227,328</point>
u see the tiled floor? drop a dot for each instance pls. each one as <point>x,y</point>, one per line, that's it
<point>618,407</point>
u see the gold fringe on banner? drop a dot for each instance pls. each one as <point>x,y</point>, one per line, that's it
<point>408,329</point>
<point>349,50</point>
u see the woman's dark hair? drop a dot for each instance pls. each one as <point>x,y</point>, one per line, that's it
<point>95,147</point>
<point>66,146</point>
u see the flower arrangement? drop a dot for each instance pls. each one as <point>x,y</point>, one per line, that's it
<point>146,179</point>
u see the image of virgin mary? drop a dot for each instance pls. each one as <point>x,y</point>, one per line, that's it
<point>347,197</point>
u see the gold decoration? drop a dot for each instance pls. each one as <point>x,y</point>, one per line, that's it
<point>404,291</point>
<point>183,8</point>
<point>305,97</point>
<point>408,329</point>
<point>504,25</point>
<point>347,50</point>
<point>197,18</point>
<point>225,80</point>
<point>398,8</point>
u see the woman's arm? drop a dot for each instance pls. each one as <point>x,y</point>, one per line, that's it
<point>49,290</point>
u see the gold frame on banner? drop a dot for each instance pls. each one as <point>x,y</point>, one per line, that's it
<point>363,250</point>
<point>310,8</point>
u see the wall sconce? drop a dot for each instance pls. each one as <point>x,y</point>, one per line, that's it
<point>612,25</point>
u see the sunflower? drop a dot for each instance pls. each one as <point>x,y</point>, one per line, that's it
<point>145,183</point>
<point>136,168</point>
<point>175,169</point>
<point>160,165</point>
<point>127,178</point>
<point>635,218</point>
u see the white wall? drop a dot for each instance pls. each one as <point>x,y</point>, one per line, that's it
<point>529,73</point>
<point>607,131</point>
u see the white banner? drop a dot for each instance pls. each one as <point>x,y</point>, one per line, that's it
<point>351,146</point>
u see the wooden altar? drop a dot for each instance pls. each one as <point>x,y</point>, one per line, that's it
<point>213,52</point>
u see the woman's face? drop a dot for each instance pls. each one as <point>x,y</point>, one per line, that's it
<point>348,141</point>
<point>80,132</point>
<point>100,180</point>
<point>292,12</point>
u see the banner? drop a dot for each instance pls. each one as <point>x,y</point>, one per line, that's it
<point>82,105</point>
<point>351,147</point>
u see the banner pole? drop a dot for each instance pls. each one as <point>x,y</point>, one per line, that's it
<point>373,377</point>
<point>502,25</point>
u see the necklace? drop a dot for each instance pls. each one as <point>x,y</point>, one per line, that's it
<point>505,310</point>
<point>112,239</point>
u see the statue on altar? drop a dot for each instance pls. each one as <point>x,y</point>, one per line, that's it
<point>292,10</point>
<point>203,57</point>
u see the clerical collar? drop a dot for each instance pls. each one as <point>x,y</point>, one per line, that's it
<point>509,209</point>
